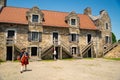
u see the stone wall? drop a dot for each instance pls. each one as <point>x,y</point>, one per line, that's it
<point>21,38</point>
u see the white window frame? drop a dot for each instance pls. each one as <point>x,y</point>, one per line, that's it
<point>106,26</point>
<point>32,18</point>
<point>108,41</point>
<point>12,29</point>
<point>31,36</point>
<point>75,22</point>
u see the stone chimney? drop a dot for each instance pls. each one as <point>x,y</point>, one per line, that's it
<point>87,11</point>
<point>3,3</point>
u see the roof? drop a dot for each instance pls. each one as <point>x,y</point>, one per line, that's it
<point>52,18</point>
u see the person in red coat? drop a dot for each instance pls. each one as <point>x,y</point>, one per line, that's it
<point>24,56</point>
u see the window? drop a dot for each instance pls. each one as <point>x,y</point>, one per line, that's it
<point>35,36</point>
<point>73,37</point>
<point>74,50</point>
<point>35,18</point>
<point>106,25</point>
<point>73,22</point>
<point>11,34</point>
<point>107,39</point>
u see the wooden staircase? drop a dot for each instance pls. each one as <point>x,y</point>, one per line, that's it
<point>109,48</point>
<point>46,50</point>
<point>86,48</point>
<point>66,48</point>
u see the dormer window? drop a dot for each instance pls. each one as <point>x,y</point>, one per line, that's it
<point>72,19</point>
<point>35,18</point>
<point>73,22</point>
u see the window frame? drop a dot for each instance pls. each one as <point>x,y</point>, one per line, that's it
<point>75,23</point>
<point>36,20</point>
<point>38,39</point>
<point>106,26</point>
<point>107,39</point>
<point>72,39</point>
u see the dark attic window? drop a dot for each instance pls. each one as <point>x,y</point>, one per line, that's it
<point>73,21</point>
<point>35,18</point>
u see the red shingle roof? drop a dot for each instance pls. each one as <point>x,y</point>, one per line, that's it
<point>52,18</point>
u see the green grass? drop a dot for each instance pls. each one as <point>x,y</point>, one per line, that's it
<point>1,61</point>
<point>88,58</point>
<point>116,59</point>
<point>50,60</point>
<point>16,61</point>
<point>69,59</point>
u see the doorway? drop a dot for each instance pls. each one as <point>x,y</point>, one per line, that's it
<point>88,38</point>
<point>89,53</point>
<point>57,52</point>
<point>9,53</point>
<point>74,50</point>
<point>55,36</point>
<point>33,51</point>
<point>10,33</point>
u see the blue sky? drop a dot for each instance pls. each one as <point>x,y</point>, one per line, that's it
<point>111,6</point>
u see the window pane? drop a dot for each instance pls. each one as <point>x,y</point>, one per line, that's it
<point>73,21</point>
<point>35,36</point>
<point>107,39</point>
<point>35,18</point>
<point>106,25</point>
<point>73,37</point>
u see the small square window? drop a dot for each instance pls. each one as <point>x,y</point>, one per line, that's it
<point>35,18</point>
<point>73,21</point>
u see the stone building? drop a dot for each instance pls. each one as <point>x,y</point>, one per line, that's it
<point>43,31</point>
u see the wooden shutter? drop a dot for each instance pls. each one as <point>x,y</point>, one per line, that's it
<point>70,37</point>
<point>40,37</point>
<point>77,36</point>
<point>29,36</point>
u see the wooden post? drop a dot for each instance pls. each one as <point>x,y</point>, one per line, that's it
<point>60,52</point>
<point>13,50</point>
<point>81,54</point>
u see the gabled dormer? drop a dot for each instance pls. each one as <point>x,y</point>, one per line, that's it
<point>72,19</point>
<point>35,16</point>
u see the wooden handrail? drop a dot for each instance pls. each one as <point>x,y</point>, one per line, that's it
<point>89,44</point>
<point>108,48</point>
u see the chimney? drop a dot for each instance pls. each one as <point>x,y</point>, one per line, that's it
<point>87,11</point>
<point>3,3</point>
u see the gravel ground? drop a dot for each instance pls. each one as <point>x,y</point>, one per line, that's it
<point>80,69</point>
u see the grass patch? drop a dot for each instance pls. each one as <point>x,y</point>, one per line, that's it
<point>1,61</point>
<point>50,60</point>
<point>88,58</point>
<point>16,61</point>
<point>116,59</point>
<point>69,59</point>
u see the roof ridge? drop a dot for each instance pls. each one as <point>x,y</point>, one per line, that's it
<point>17,7</point>
<point>44,10</point>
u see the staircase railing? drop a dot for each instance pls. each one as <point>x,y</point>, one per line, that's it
<point>66,48</point>
<point>86,48</point>
<point>109,48</point>
<point>46,49</point>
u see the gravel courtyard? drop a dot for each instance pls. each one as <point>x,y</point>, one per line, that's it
<point>80,69</point>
